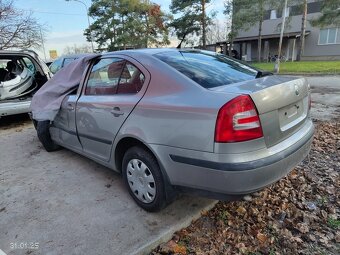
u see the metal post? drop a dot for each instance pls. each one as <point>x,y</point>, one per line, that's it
<point>277,65</point>
<point>88,19</point>
<point>42,44</point>
<point>293,53</point>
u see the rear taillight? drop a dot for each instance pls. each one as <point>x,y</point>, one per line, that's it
<point>238,121</point>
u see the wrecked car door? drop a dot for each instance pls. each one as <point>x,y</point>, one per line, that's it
<point>65,124</point>
<point>109,95</point>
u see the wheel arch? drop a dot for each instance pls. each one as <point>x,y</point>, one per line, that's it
<point>128,142</point>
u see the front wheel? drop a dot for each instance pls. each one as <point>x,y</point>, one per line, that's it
<point>144,179</point>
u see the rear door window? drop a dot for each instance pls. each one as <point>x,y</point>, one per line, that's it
<point>208,69</point>
<point>131,80</point>
<point>104,77</point>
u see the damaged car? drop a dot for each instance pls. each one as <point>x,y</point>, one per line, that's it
<point>22,73</point>
<point>174,120</point>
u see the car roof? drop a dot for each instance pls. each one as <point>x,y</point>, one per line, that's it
<point>18,53</point>
<point>79,55</point>
<point>150,51</point>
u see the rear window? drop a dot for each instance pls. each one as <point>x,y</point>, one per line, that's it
<point>68,61</point>
<point>208,69</point>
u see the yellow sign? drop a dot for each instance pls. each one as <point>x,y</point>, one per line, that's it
<point>53,54</point>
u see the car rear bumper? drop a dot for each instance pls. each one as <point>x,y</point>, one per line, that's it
<point>210,172</point>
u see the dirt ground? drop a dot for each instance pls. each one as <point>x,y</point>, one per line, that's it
<point>63,203</point>
<point>325,97</point>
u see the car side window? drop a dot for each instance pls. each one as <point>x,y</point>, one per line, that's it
<point>131,80</point>
<point>56,65</point>
<point>29,64</point>
<point>104,77</point>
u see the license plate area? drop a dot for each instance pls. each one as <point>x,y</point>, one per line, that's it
<point>292,115</point>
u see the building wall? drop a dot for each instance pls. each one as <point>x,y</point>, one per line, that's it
<point>312,48</point>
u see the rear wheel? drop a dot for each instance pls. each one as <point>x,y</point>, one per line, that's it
<point>144,179</point>
<point>43,131</point>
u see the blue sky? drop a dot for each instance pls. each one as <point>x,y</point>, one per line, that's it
<point>66,21</point>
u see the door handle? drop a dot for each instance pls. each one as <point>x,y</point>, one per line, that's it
<point>117,112</point>
<point>70,107</point>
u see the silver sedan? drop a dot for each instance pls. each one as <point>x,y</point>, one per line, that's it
<point>184,120</point>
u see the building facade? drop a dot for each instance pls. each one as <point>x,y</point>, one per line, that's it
<point>320,44</point>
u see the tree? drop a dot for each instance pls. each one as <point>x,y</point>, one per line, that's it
<point>238,11</point>
<point>17,28</point>
<point>303,31</point>
<point>258,12</point>
<point>123,24</point>
<point>217,31</point>
<point>246,13</point>
<point>194,19</point>
<point>330,14</point>
<point>76,49</point>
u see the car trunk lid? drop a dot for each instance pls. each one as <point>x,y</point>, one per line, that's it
<point>282,104</point>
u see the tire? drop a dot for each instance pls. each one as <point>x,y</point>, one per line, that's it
<point>35,123</point>
<point>43,131</point>
<point>145,185</point>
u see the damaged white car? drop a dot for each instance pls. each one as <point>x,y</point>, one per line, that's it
<point>22,73</point>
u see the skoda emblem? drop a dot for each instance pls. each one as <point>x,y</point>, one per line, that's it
<point>297,92</point>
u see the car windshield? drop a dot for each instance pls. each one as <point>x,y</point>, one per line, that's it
<point>208,69</point>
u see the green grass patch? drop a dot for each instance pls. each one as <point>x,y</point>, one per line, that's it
<point>303,67</point>
<point>335,224</point>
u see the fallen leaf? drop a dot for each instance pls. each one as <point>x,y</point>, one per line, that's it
<point>302,227</point>
<point>241,210</point>
<point>261,237</point>
<point>296,239</point>
<point>337,237</point>
<point>324,214</point>
<point>180,249</point>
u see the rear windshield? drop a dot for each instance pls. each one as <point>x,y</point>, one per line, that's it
<point>208,69</point>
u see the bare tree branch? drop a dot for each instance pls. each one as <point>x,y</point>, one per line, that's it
<point>17,28</point>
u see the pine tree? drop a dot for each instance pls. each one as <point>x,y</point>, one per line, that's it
<point>244,14</point>
<point>330,14</point>
<point>121,24</point>
<point>193,19</point>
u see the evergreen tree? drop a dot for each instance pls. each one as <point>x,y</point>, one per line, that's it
<point>122,24</point>
<point>194,19</point>
<point>245,14</point>
<point>330,14</point>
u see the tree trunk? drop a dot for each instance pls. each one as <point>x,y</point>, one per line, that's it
<point>303,32</point>
<point>203,26</point>
<point>260,33</point>
<point>232,32</point>
<point>260,42</point>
